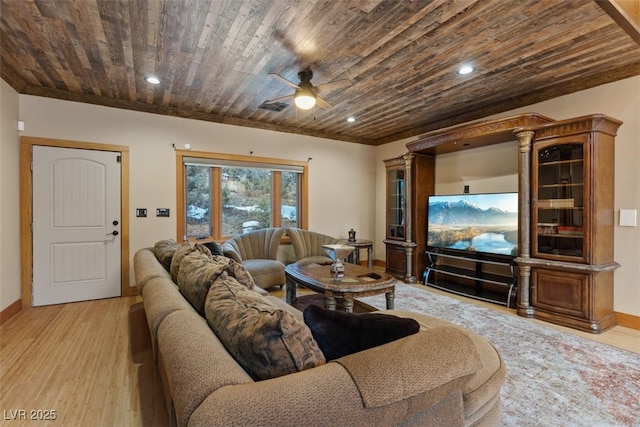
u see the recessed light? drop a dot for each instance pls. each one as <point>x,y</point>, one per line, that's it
<point>465,69</point>
<point>351,119</point>
<point>153,80</point>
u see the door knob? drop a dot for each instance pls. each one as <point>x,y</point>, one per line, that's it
<point>114,233</point>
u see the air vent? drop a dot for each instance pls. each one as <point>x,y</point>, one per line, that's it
<point>274,106</point>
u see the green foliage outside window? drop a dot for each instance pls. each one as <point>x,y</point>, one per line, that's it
<point>246,198</point>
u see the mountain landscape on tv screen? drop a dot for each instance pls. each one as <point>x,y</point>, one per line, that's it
<point>460,224</point>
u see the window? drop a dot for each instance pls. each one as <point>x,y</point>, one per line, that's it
<point>221,195</point>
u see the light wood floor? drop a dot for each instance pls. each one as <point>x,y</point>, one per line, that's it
<point>81,361</point>
<point>91,364</point>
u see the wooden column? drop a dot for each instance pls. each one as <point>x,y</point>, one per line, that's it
<point>524,220</point>
<point>408,222</point>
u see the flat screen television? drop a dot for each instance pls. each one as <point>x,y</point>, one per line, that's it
<point>485,223</point>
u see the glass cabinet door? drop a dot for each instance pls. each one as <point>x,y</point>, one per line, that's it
<point>559,201</point>
<point>395,203</point>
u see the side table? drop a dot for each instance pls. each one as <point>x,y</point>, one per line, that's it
<point>354,257</point>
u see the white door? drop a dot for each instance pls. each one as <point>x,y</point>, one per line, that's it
<point>76,225</point>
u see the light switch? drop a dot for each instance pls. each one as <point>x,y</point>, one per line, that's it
<point>163,212</point>
<point>628,217</point>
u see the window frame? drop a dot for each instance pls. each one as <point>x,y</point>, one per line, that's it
<point>216,194</point>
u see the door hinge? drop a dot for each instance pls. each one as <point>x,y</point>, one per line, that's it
<point>119,159</point>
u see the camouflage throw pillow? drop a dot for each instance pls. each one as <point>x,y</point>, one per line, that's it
<point>164,250</point>
<point>240,273</point>
<point>266,341</point>
<point>183,250</point>
<point>196,275</point>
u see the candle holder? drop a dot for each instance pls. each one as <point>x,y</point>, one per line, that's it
<point>338,253</point>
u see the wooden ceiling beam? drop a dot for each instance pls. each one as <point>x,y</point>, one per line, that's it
<point>626,13</point>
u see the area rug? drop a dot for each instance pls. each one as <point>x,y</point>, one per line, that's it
<point>553,378</point>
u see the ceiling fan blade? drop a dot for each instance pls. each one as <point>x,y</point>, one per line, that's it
<point>283,80</point>
<point>280,99</point>
<point>325,87</point>
<point>322,103</point>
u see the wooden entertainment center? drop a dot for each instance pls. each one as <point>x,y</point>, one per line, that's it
<point>565,264</point>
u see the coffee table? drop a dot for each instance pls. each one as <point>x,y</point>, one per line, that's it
<point>358,281</point>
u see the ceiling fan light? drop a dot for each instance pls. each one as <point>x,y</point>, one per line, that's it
<point>305,102</point>
<point>305,98</point>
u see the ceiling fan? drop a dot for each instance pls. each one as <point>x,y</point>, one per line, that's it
<point>307,95</point>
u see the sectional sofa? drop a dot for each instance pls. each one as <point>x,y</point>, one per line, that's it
<point>216,371</point>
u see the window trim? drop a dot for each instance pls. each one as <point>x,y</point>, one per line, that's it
<point>181,155</point>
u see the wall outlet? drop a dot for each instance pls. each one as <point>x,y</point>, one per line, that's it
<point>163,212</point>
<point>141,212</point>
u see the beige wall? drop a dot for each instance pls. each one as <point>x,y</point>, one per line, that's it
<point>495,169</point>
<point>9,198</point>
<point>336,183</point>
<point>489,169</point>
<point>347,181</point>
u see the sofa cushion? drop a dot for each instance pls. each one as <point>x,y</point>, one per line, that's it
<point>339,333</point>
<point>196,275</point>
<point>266,341</point>
<point>199,271</point>
<point>164,250</point>
<point>194,364</point>
<point>183,250</point>
<point>146,266</point>
<point>435,361</point>
<point>237,271</point>
<point>480,389</point>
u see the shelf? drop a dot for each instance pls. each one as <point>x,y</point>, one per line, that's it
<point>476,283</point>
<point>562,236</point>
<point>556,203</point>
<point>575,208</point>
<point>464,258</point>
<point>507,299</point>
<point>561,162</point>
<point>563,185</point>
<point>464,273</point>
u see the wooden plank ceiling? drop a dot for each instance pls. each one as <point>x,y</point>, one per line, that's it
<point>214,57</point>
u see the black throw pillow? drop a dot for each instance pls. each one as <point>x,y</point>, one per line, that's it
<point>339,333</point>
<point>213,247</point>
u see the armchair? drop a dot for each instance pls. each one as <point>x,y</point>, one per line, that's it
<point>257,251</point>
<point>307,246</point>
